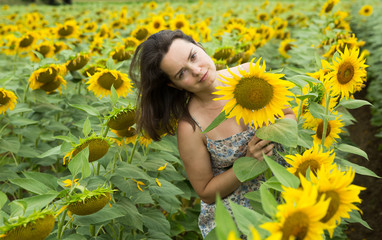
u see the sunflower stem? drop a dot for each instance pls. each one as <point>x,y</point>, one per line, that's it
<point>104,134</point>
<point>25,93</point>
<point>98,168</point>
<point>60,224</point>
<point>120,237</point>
<point>79,87</point>
<point>132,151</point>
<point>92,230</point>
<point>299,111</point>
<point>325,123</point>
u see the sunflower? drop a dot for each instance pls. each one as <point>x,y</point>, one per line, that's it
<point>313,158</point>
<point>366,10</point>
<point>224,53</point>
<point>27,41</point>
<point>86,202</point>
<point>141,33</point>
<point>121,119</point>
<point>8,100</point>
<point>256,96</point>
<point>144,140</point>
<point>285,46</point>
<point>328,6</point>
<point>67,30</point>
<point>348,73</point>
<point>77,62</point>
<point>10,47</point>
<point>90,27</point>
<point>125,136</point>
<point>131,42</point>
<point>157,23</point>
<point>337,187</point>
<point>121,53</point>
<point>36,226</point>
<point>98,147</point>
<point>179,22</point>
<point>46,49</point>
<point>100,83</point>
<point>262,16</point>
<point>152,5</point>
<point>59,46</point>
<point>299,217</point>
<point>48,78</point>
<point>332,130</point>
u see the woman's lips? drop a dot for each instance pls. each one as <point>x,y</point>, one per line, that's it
<point>204,77</point>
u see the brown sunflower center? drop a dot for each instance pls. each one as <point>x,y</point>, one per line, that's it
<point>223,53</point>
<point>157,25</point>
<point>51,86</point>
<point>26,41</point>
<point>320,130</point>
<point>66,31</point>
<point>295,226</point>
<point>107,80</point>
<point>89,205</point>
<point>253,93</point>
<point>97,148</point>
<point>4,99</point>
<point>329,7</point>
<point>333,205</point>
<point>122,120</point>
<point>345,73</point>
<point>48,75</point>
<point>44,50</point>
<point>121,55</point>
<point>78,63</point>
<point>310,163</point>
<point>141,34</point>
<point>39,229</point>
<point>179,24</point>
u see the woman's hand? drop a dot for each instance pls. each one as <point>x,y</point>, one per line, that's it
<point>256,147</point>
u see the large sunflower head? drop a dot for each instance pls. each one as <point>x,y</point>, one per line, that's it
<point>366,10</point>
<point>100,83</point>
<point>88,202</point>
<point>7,100</point>
<point>299,217</point>
<point>348,73</point>
<point>255,96</point>
<point>98,147</point>
<point>313,159</point>
<point>337,187</point>
<point>39,225</point>
<point>122,118</point>
<point>77,62</point>
<point>333,128</point>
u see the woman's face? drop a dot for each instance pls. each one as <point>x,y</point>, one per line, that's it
<point>188,66</point>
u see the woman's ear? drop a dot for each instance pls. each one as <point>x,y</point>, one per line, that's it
<point>170,84</point>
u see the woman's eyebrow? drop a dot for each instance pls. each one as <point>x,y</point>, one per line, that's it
<point>189,57</point>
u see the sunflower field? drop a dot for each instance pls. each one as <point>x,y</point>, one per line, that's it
<point>72,165</point>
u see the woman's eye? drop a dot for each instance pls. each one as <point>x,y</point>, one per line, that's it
<point>193,56</point>
<point>181,74</point>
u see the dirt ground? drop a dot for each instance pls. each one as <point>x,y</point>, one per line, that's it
<point>363,135</point>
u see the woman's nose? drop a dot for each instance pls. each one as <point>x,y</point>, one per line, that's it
<point>196,69</point>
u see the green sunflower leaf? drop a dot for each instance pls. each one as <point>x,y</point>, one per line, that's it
<point>268,201</point>
<point>80,164</point>
<point>352,149</point>
<point>224,221</point>
<point>89,109</point>
<point>283,131</point>
<point>247,168</point>
<point>353,103</point>
<point>87,127</point>
<point>357,168</point>
<point>286,178</point>
<point>218,120</point>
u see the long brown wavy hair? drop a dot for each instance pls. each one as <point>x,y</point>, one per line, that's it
<point>158,105</point>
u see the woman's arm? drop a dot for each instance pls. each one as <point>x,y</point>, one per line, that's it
<point>197,163</point>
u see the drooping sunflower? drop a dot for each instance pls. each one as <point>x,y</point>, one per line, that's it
<point>122,118</point>
<point>366,10</point>
<point>121,53</point>
<point>141,33</point>
<point>255,96</point>
<point>36,226</point>
<point>313,158</point>
<point>348,73</point>
<point>78,61</point>
<point>46,49</point>
<point>336,186</point>
<point>224,53</point>
<point>328,6</point>
<point>67,30</point>
<point>285,46</point>
<point>262,16</point>
<point>8,100</point>
<point>125,136</point>
<point>100,83</point>
<point>27,41</point>
<point>131,42</point>
<point>332,130</point>
<point>48,78</point>
<point>299,217</point>
<point>98,147</point>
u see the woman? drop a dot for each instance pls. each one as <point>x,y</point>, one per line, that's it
<point>176,79</point>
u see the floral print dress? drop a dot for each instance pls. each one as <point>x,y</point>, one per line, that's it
<point>223,154</point>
